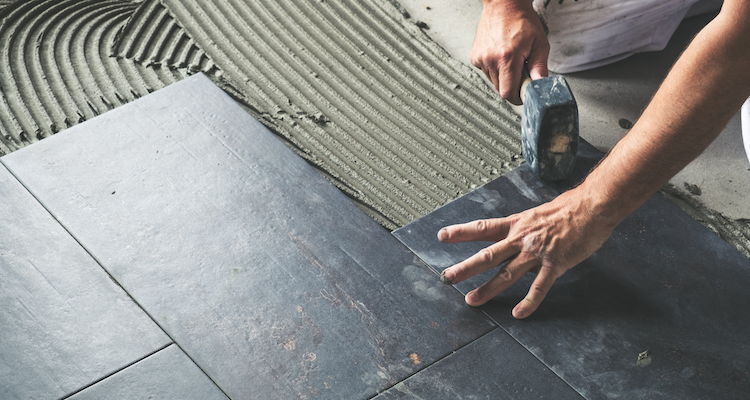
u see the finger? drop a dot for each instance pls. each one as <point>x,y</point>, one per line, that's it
<point>493,75</point>
<point>537,62</point>
<point>509,80</point>
<point>490,230</point>
<point>505,278</point>
<point>488,74</point>
<point>538,291</point>
<point>486,259</point>
<point>538,71</point>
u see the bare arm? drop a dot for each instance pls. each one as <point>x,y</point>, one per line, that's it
<point>703,91</point>
<point>509,34</point>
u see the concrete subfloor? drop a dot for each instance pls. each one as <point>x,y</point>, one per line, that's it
<point>610,93</point>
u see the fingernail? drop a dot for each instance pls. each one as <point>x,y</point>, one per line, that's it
<point>520,312</point>
<point>443,234</point>
<point>444,278</point>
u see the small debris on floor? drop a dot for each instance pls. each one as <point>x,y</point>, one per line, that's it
<point>625,123</point>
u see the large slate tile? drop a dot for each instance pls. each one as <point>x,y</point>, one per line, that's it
<point>63,322</point>
<point>166,375</point>
<point>662,283</point>
<point>269,278</point>
<point>494,366</point>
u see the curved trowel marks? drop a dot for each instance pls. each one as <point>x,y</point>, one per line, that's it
<point>354,87</point>
<point>362,94</point>
<point>56,69</point>
<point>153,38</point>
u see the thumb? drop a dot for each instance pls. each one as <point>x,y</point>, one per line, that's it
<point>537,62</point>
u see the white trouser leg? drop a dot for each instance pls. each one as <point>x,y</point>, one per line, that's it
<point>745,117</point>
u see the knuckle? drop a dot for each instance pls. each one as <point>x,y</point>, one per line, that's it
<point>477,60</point>
<point>533,244</point>
<point>505,55</point>
<point>485,256</point>
<point>542,45</point>
<point>482,226</point>
<point>505,275</point>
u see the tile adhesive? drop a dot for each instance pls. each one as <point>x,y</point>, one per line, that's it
<point>354,87</point>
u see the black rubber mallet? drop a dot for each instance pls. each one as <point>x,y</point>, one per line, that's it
<point>549,127</point>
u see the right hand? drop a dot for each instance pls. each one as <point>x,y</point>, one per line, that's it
<point>509,35</point>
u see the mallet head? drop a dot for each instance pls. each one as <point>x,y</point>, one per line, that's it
<point>549,128</point>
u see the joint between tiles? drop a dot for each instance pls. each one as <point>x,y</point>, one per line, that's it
<point>436,361</point>
<point>115,372</point>
<point>112,278</point>
<point>532,353</point>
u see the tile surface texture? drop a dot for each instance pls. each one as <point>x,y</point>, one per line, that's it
<point>662,283</point>
<point>494,366</point>
<point>267,276</point>
<point>167,374</point>
<point>63,322</point>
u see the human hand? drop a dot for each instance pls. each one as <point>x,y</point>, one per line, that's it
<point>548,240</point>
<point>510,35</point>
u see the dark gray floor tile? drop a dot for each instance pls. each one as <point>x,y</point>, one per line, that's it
<point>492,367</point>
<point>166,375</point>
<point>264,273</point>
<point>63,322</point>
<point>662,283</point>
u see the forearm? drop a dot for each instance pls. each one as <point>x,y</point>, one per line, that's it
<point>702,92</point>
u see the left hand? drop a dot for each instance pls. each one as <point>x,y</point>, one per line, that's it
<point>549,240</point>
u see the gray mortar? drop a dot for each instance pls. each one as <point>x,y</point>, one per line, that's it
<point>356,88</point>
<point>735,232</point>
<point>56,70</point>
<point>401,127</point>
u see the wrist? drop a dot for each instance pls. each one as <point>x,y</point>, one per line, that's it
<point>610,196</point>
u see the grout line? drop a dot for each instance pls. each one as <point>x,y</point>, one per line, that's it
<point>112,278</point>
<point>115,372</point>
<point>534,355</point>
<point>174,342</point>
<point>497,324</point>
<point>433,363</point>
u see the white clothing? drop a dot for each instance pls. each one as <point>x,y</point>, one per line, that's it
<point>585,34</point>
<point>745,117</point>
